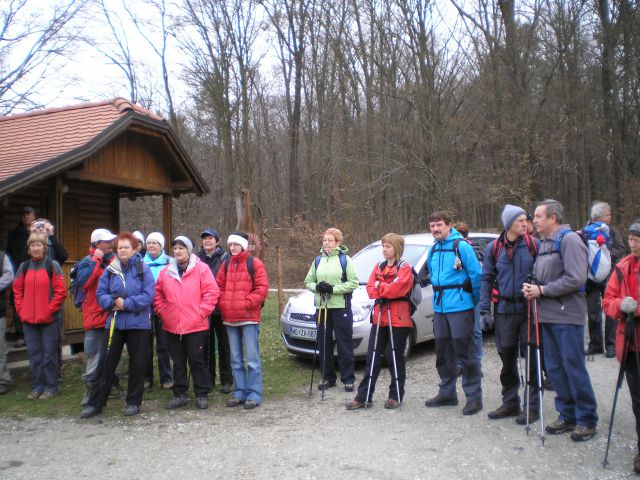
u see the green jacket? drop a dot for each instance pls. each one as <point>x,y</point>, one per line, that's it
<point>330,271</point>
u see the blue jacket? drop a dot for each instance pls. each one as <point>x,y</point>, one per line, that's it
<point>507,276</point>
<point>138,296</point>
<point>441,261</point>
<point>156,265</point>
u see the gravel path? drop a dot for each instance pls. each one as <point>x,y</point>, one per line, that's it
<point>304,438</point>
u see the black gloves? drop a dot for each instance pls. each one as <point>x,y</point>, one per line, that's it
<point>324,287</point>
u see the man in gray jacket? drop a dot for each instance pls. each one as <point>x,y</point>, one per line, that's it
<point>560,272</point>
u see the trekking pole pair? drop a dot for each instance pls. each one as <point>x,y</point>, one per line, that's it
<point>321,308</point>
<point>532,310</point>
<point>368,401</point>
<point>629,335</point>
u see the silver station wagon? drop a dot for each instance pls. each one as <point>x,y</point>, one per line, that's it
<point>298,323</point>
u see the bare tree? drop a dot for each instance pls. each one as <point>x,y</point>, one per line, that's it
<point>44,39</point>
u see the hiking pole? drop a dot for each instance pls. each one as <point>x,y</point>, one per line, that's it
<point>316,348</point>
<point>631,325</point>
<point>527,387</point>
<point>324,342</point>
<point>538,369</point>
<point>373,355</point>
<point>393,354</point>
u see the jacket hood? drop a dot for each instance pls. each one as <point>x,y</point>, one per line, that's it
<point>336,250</point>
<point>218,252</point>
<point>172,269</point>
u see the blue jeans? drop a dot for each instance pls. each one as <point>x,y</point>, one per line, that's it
<point>43,340</point>
<point>93,340</point>
<point>5,375</point>
<point>248,381</point>
<point>564,359</point>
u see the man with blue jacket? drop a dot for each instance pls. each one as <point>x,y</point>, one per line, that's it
<point>508,261</point>
<point>455,275</point>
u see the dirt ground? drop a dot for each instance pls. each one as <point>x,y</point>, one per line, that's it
<point>309,438</point>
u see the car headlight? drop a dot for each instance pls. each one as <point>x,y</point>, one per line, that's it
<point>285,312</point>
<point>361,313</point>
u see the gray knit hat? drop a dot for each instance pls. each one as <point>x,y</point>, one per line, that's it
<point>509,215</point>
<point>634,229</point>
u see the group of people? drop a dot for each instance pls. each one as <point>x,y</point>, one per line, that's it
<point>530,287</point>
<point>200,302</point>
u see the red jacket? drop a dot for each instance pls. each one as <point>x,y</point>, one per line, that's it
<point>93,315</point>
<point>623,282</point>
<point>37,299</point>
<point>240,298</point>
<point>185,303</point>
<point>394,284</point>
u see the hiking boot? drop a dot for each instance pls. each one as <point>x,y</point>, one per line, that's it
<point>440,401</point>
<point>47,395</point>
<point>20,343</point>
<point>582,433</point>
<point>176,402</point>
<point>202,403</point>
<point>167,386</point>
<point>472,407</point>
<point>611,352</point>
<point>391,404</point>
<point>148,385</point>
<point>522,418</point>
<point>355,405</point>
<point>226,388</point>
<point>250,405</point>
<point>234,402</point>
<point>593,350</point>
<point>349,387</point>
<point>89,411</point>
<point>4,388</point>
<point>504,411</point>
<point>131,410</point>
<point>34,395</point>
<point>326,385</point>
<point>636,463</point>
<point>559,426</point>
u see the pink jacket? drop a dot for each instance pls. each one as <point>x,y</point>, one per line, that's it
<point>185,303</point>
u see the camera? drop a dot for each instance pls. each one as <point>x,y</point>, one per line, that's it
<point>40,225</point>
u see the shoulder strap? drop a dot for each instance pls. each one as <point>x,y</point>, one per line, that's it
<point>456,242</point>
<point>531,245</point>
<point>316,262</point>
<point>495,250</point>
<point>619,274</point>
<point>48,265</point>
<point>226,265</point>
<point>250,267</point>
<point>343,264</point>
<point>140,270</point>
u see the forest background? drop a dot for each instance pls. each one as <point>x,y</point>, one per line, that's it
<point>362,114</point>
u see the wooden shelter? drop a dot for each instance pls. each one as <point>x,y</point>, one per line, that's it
<point>74,164</point>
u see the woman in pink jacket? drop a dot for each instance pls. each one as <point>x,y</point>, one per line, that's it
<point>186,294</point>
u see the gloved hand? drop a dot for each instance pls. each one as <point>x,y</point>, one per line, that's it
<point>628,305</point>
<point>324,287</point>
<point>486,321</point>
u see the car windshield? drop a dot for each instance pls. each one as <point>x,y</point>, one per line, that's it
<point>367,258</point>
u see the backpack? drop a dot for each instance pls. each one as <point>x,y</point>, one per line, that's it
<point>465,285</point>
<point>75,288</point>
<point>415,295</point>
<point>48,265</point>
<point>343,263</point>
<point>528,239</point>
<point>596,237</point>
<point>558,250</point>
<point>250,268</point>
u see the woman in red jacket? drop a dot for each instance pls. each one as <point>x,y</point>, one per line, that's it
<point>39,291</point>
<point>621,301</point>
<point>244,286</point>
<point>186,294</point>
<point>389,285</point>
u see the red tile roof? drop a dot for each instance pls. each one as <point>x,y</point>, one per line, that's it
<point>28,140</point>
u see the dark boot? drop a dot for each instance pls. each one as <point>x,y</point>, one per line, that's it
<point>504,411</point>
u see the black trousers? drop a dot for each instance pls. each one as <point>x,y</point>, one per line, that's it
<point>191,348</point>
<point>137,342</point>
<point>339,322</point>
<point>594,293</point>
<point>383,351</point>
<point>633,381</point>
<point>218,334</point>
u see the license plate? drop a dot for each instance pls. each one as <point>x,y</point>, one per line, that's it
<point>306,333</point>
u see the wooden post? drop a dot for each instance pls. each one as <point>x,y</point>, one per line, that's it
<point>167,219</point>
<point>278,237</point>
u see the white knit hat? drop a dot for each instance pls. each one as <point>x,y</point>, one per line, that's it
<point>240,240</point>
<point>158,237</point>
<point>185,241</point>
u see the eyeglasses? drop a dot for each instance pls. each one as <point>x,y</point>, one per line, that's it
<point>153,242</point>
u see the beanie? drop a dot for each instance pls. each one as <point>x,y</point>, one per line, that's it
<point>158,237</point>
<point>509,215</point>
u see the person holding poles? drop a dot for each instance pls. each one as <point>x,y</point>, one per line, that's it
<point>508,261</point>
<point>390,285</point>
<point>560,272</point>
<point>332,273</point>
<point>621,302</point>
